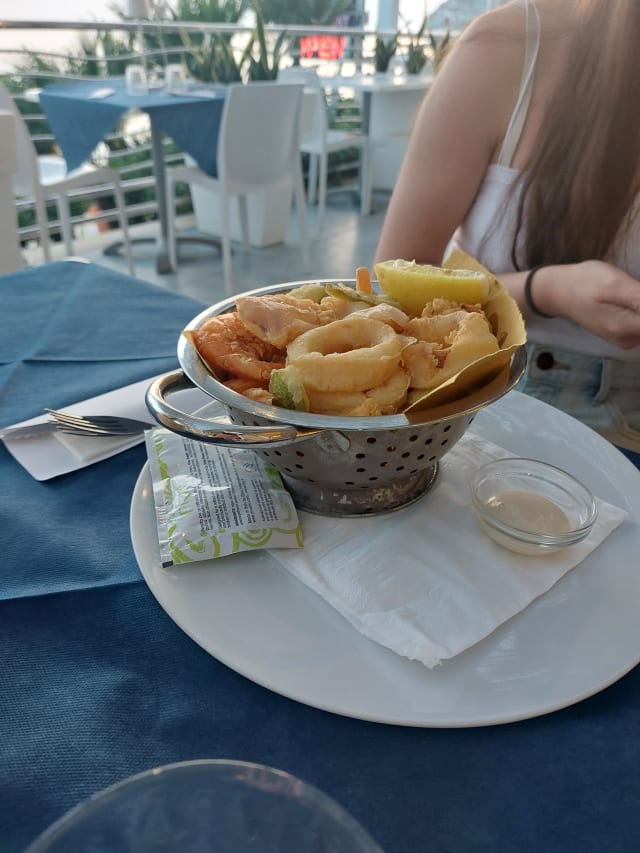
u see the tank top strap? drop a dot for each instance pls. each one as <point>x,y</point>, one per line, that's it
<point>516,122</point>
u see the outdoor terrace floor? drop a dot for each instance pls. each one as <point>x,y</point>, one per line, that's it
<point>347,240</point>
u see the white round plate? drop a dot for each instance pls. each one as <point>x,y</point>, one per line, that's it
<point>581,636</point>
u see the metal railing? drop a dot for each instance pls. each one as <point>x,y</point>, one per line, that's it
<point>156,43</point>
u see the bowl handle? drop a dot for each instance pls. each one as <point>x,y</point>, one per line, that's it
<point>213,431</point>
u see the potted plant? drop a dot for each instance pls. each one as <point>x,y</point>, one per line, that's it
<point>416,54</point>
<point>439,48</point>
<point>212,59</point>
<point>267,63</point>
<point>384,51</point>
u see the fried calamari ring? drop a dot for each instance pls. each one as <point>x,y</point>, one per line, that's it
<point>353,354</point>
<point>386,399</point>
<point>389,314</point>
<point>224,342</point>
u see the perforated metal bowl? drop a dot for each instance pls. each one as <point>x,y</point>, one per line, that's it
<point>331,465</point>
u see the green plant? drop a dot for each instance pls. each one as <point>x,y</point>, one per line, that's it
<point>439,48</point>
<point>204,11</point>
<point>265,66</point>
<point>384,51</point>
<point>213,60</point>
<point>104,55</point>
<point>416,55</point>
<point>211,11</point>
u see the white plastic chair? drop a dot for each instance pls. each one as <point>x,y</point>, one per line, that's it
<point>46,177</point>
<point>318,140</point>
<point>257,150</point>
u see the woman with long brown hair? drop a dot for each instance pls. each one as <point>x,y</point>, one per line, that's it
<point>526,154</point>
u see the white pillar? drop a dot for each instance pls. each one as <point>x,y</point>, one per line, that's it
<point>10,257</point>
<point>388,14</point>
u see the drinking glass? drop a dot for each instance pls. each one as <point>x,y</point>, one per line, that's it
<point>136,80</point>
<point>204,806</point>
<point>174,77</point>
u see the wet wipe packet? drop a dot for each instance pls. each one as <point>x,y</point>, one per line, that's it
<point>213,501</point>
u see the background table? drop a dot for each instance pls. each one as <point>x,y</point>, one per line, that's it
<point>389,104</point>
<point>98,683</point>
<point>79,122</point>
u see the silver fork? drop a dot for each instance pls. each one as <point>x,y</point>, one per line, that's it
<point>97,424</point>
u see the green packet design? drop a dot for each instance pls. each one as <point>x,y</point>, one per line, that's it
<point>214,501</point>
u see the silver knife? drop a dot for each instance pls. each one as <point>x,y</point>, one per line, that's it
<point>28,431</point>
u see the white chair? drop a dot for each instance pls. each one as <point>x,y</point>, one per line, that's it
<point>257,150</point>
<point>46,177</point>
<point>318,140</point>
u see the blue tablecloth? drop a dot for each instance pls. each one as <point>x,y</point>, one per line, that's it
<point>79,122</point>
<point>97,682</point>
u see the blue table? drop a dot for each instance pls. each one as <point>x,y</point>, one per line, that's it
<point>79,122</point>
<point>98,683</point>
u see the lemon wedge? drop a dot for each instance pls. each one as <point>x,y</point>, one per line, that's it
<point>413,285</point>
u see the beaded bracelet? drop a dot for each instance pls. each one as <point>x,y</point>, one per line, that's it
<point>528,298</point>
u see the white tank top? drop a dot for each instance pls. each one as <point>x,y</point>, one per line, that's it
<point>487,231</point>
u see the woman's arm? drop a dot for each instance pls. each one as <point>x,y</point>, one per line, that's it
<point>457,132</point>
<point>596,295</point>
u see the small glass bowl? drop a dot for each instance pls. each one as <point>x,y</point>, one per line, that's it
<point>531,507</point>
<point>204,805</point>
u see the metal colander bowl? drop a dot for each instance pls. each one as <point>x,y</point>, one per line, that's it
<point>331,465</point>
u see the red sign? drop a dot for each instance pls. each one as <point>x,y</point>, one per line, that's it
<point>322,47</point>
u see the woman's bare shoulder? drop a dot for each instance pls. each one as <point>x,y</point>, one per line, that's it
<point>504,24</point>
<point>504,28</point>
<point>493,43</point>
<point>486,60</point>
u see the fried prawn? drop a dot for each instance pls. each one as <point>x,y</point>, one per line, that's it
<point>225,343</point>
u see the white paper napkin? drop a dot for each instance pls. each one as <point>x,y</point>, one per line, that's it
<point>47,456</point>
<point>99,94</point>
<point>426,581</point>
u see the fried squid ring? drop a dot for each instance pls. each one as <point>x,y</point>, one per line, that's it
<point>225,343</point>
<point>386,399</point>
<point>353,354</point>
<point>388,314</point>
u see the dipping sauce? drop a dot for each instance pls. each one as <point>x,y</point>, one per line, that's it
<point>530,507</point>
<point>528,511</point>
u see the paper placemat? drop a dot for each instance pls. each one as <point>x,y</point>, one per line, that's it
<point>426,581</point>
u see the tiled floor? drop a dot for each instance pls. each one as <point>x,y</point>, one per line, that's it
<point>347,241</point>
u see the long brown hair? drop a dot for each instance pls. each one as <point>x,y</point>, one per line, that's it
<point>583,178</point>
